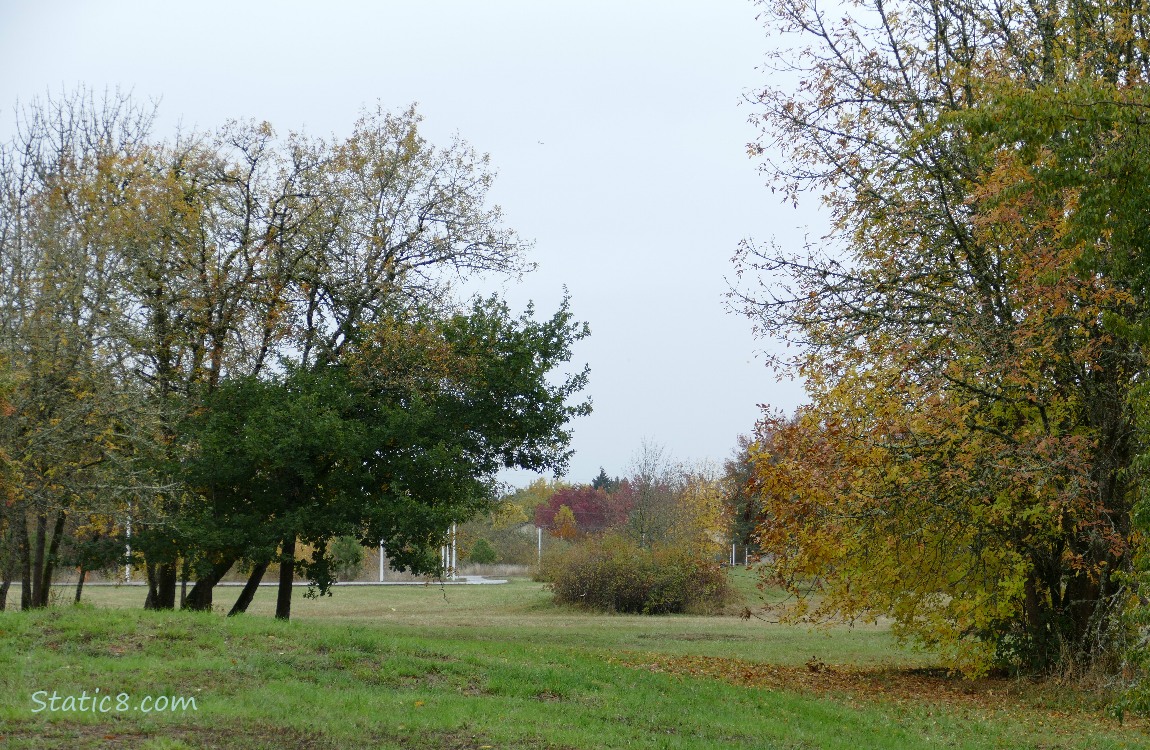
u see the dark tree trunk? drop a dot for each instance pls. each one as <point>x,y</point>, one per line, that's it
<point>25,563</point>
<point>25,573</point>
<point>200,597</point>
<point>166,576</point>
<point>250,588</point>
<point>39,549</point>
<point>80,583</point>
<point>11,543</point>
<point>184,573</point>
<point>152,601</point>
<point>287,575</point>
<point>50,559</point>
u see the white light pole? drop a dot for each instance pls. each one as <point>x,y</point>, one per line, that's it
<point>447,553</point>
<point>382,560</point>
<point>449,549</point>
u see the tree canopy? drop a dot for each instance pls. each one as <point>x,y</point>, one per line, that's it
<point>971,331</point>
<point>233,339</point>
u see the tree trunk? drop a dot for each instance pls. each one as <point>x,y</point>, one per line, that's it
<point>287,575</point>
<point>11,545</point>
<point>250,588</point>
<point>152,601</point>
<point>200,597</point>
<point>80,583</point>
<point>39,541</point>
<point>166,576</point>
<point>25,563</point>
<point>184,573</point>
<point>50,559</point>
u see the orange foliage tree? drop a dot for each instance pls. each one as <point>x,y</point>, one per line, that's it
<point>970,335</point>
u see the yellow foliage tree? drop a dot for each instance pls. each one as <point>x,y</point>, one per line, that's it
<point>972,329</point>
<point>565,526</point>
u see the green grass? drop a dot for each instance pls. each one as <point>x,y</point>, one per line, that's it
<point>475,667</point>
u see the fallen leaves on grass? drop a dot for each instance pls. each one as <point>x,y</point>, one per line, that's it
<point>1045,703</point>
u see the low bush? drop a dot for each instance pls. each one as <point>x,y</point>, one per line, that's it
<point>346,557</point>
<point>612,573</point>
<point>482,553</point>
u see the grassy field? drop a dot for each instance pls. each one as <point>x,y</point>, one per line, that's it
<point>498,667</point>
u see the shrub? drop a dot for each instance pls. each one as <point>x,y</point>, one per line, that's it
<point>614,574</point>
<point>482,552</point>
<point>346,555</point>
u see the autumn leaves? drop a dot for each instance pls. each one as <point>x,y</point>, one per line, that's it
<point>968,333</point>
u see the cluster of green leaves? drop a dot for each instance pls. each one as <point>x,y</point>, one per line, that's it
<point>482,553</point>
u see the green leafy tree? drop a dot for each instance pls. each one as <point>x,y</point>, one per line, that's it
<point>399,441</point>
<point>346,554</point>
<point>604,482</point>
<point>744,508</point>
<point>482,553</point>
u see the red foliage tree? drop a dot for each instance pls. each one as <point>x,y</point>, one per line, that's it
<point>594,510</point>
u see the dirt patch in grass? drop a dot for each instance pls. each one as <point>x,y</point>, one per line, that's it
<point>248,736</point>
<point>1060,705</point>
<point>691,637</point>
<point>82,736</point>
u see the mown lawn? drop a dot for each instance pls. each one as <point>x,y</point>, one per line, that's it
<point>500,667</point>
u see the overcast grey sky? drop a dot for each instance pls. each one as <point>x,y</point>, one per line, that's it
<point>616,128</point>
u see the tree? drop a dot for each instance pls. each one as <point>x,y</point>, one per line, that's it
<point>10,535</point>
<point>592,510</point>
<point>482,553</point>
<point>604,482</point>
<point>400,220</point>
<point>396,442</point>
<point>275,463</point>
<point>94,545</point>
<point>702,523</point>
<point>519,506</point>
<point>346,555</point>
<point>651,493</point>
<point>965,463</point>
<point>743,505</point>
<point>509,527</point>
<point>139,275</point>
<point>661,503</point>
<point>564,526</point>
<point>75,429</point>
